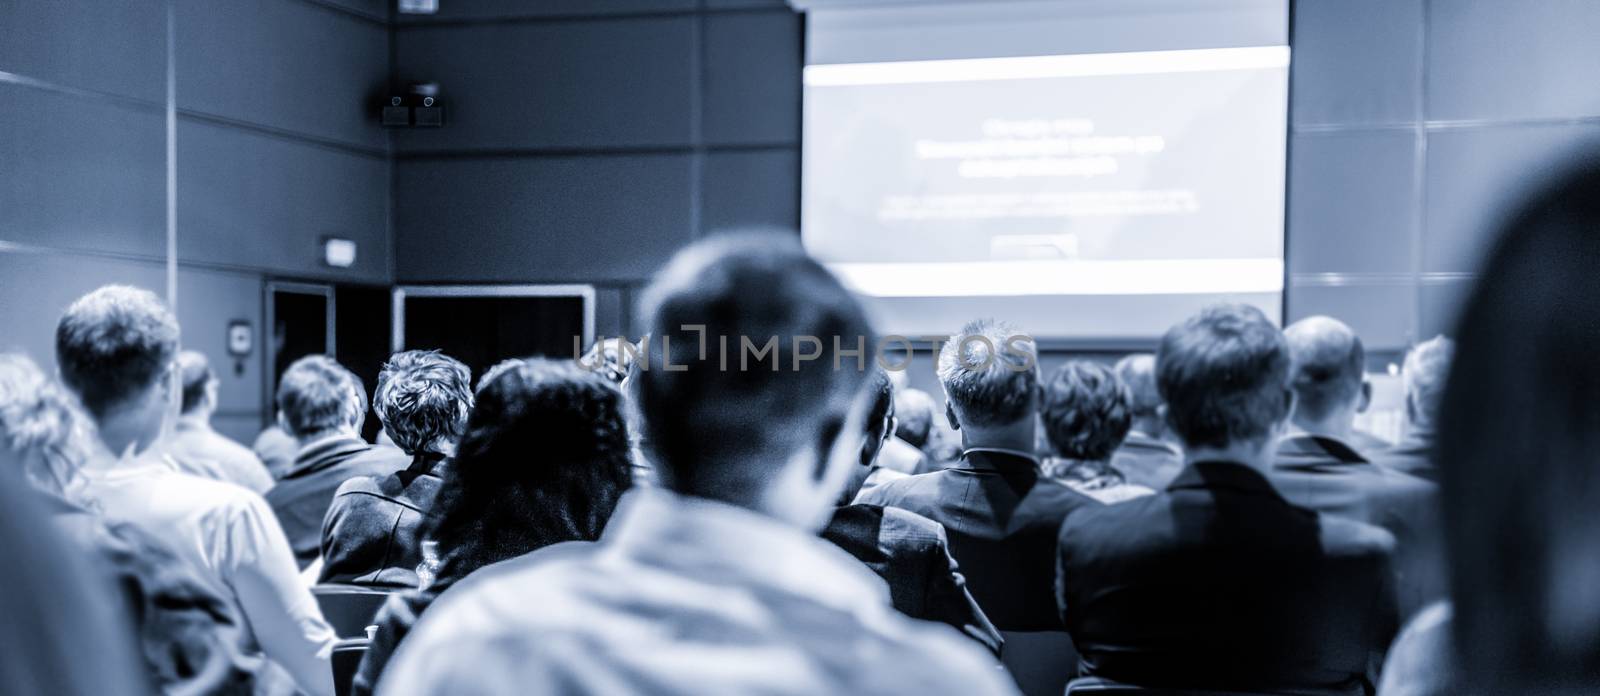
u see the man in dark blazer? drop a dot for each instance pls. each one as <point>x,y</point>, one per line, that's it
<point>907,550</point>
<point>999,513</point>
<point>1219,582</point>
<point>322,405</point>
<point>1320,466</point>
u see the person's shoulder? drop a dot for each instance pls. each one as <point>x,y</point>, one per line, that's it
<point>358,485</point>
<point>912,528</point>
<point>1344,537</point>
<point>1123,520</point>
<point>201,488</point>
<point>933,658</point>
<point>898,488</point>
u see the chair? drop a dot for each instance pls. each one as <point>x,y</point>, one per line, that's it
<point>348,608</point>
<point>346,657</point>
<point>1098,686</point>
<point>1041,662</point>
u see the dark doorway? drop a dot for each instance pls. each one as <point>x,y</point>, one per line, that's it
<point>299,316</point>
<point>362,338</point>
<point>481,330</point>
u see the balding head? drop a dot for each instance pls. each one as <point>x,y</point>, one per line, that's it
<point>1327,371</point>
<point>1424,374</point>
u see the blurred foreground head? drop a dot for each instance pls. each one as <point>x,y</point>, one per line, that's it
<point>773,431</point>
<point>116,349</point>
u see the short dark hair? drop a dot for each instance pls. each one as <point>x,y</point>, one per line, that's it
<point>1085,411</point>
<point>915,410</point>
<point>1327,364</point>
<point>317,394</point>
<point>543,459</point>
<point>195,371</point>
<point>1224,374</point>
<point>114,343</point>
<point>881,391</point>
<point>718,432</point>
<point>989,371</point>
<point>423,398</point>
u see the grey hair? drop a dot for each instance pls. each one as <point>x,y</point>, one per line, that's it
<point>990,373</point>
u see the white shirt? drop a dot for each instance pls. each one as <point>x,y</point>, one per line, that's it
<point>229,533</point>
<point>683,596</point>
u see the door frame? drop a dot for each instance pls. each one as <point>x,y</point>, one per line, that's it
<point>397,338</point>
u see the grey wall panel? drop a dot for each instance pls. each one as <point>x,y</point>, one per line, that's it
<point>38,287</point>
<point>1473,175</point>
<point>377,10</point>
<point>1353,202</point>
<point>1356,61</point>
<point>82,173</point>
<point>1383,315</point>
<point>207,301</point>
<point>610,312</point>
<point>580,84</point>
<point>482,10</point>
<point>554,219</point>
<point>1441,303</point>
<point>752,77</point>
<point>259,201</point>
<point>288,65</point>
<point>740,4</point>
<point>749,189</point>
<point>1491,59</point>
<point>116,47</point>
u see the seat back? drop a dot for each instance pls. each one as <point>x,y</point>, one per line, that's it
<point>346,660</point>
<point>349,609</point>
<point>1041,662</point>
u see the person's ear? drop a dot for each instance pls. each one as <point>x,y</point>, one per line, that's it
<point>1366,397</point>
<point>283,423</point>
<point>950,415</point>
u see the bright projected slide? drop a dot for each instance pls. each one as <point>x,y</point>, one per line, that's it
<point>1089,196</point>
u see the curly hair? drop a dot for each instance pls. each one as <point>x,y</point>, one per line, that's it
<point>113,343</point>
<point>544,458</point>
<point>1086,411</point>
<point>423,398</point>
<point>42,424</point>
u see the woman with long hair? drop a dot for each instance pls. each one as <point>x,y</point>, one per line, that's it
<point>544,458</point>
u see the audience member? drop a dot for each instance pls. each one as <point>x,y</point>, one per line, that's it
<point>1320,467</point>
<point>276,448</point>
<point>1086,415</point>
<point>116,349</point>
<point>543,460</point>
<point>914,411</point>
<point>1423,376</point>
<point>881,426</point>
<point>322,405</point>
<point>907,550</point>
<point>714,582</point>
<point>1000,515</point>
<point>1218,582</point>
<point>1518,429</point>
<point>189,636</point>
<point>195,446</point>
<point>370,535</point>
<point>1147,456</point>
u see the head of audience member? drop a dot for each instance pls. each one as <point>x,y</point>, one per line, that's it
<point>1085,412</point>
<point>1327,369</point>
<point>990,374</point>
<point>199,385</point>
<point>914,409</point>
<point>1224,376</point>
<point>613,358</point>
<point>543,459</point>
<point>116,348</point>
<point>42,432</point>
<point>777,427</point>
<point>880,426</point>
<point>1137,372</point>
<point>1423,375</point>
<point>423,398</point>
<point>318,398</point>
<point>1517,441</point>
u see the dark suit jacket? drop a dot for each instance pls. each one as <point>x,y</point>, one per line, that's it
<point>371,534</point>
<point>301,498</point>
<point>1325,475</point>
<point>909,552</point>
<point>1220,583</point>
<point>1147,461</point>
<point>1001,518</point>
<point>1413,455</point>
